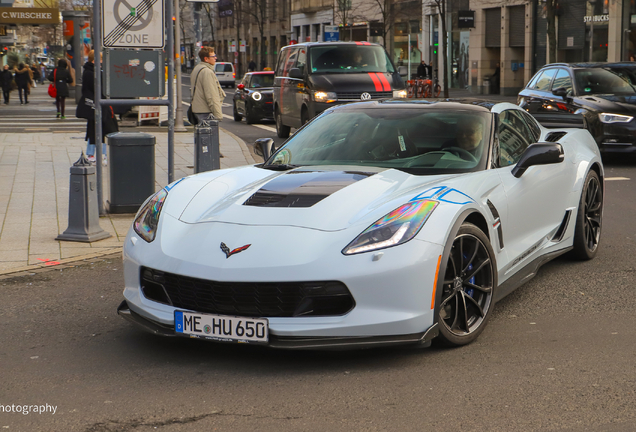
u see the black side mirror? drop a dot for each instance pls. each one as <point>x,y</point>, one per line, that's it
<point>264,147</point>
<point>561,92</point>
<point>295,73</point>
<point>539,154</point>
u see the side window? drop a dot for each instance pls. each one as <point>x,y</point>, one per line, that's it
<point>535,130</point>
<point>544,80</point>
<point>534,80</point>
<point>514,136</point>
<point>302,60</point>
<point>246,80</point>
<point>562,80</point>
<point>280,62</point>
<point>287,61</point>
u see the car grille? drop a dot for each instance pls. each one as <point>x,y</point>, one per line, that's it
<point>249,299</point>
<point>357,95</point>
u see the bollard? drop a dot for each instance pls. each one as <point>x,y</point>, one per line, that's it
<point>83,216</point>
<point>207,156</point>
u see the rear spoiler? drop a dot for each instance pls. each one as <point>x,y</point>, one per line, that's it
<point>560,120</point>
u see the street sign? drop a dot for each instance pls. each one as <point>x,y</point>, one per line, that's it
<point>332,34</point>
<point>133,24</point>
<point>133,73</point>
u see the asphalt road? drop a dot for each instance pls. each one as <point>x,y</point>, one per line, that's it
<point>558,355</point>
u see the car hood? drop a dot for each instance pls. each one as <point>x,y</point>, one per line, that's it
<point>610,103</point>
<point>353,82</point>
<point>329,198</point>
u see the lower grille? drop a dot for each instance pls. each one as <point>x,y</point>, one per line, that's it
<point>249,299</point>
<point>357,95</point>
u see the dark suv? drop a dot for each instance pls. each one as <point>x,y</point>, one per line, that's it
<point>604,93</point>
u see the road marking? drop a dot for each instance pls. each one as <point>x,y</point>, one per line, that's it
<point>617,178</point>
<point>227,105</point>
<point>268,128</point>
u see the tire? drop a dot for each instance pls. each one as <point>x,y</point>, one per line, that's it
<point>467,290</point>
<point>304,116</point>
<point>437,90</point>
<point>237,116</point>
<point>589,219</point>
<point>281,130</point>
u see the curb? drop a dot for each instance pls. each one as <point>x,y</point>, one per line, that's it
<point>244,149</point>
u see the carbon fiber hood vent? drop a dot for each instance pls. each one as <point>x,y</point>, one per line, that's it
<point>303,188</point>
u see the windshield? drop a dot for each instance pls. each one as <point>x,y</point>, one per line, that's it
<point>602,81</point>
<point>262,80</point>
<point>419,141</point>
<point>349,59</point>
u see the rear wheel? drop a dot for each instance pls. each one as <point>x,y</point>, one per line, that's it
<point>466,301</point>
<point>304,116</point>
<point>237,116</point>
<point>589,219</point>
<point>437,90</point>
<point>281,130</point>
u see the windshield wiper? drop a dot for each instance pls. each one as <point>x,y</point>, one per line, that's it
<point>280,167</point>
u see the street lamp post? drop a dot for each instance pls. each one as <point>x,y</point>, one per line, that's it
<point>178,125</point>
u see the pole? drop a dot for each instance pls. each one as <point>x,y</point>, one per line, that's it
<point>197,28</point>
<point>97,20</point>
<point>170,43</point>
<point>178,127</point>
<point>409,48</point>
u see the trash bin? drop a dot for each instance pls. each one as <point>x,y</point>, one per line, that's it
<point>486,87</point>
<point>131,169</point>
<point>207,156</point>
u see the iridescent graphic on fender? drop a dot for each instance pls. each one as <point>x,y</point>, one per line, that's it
<point>229,253</point>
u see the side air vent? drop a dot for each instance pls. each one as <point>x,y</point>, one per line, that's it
<point>558,236</point>
<point>497,223</point>
<point>555,136</point>
<point>265,199</point>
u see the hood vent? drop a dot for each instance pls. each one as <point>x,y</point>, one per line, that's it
<point>555,136</point>
<point>303,188</point>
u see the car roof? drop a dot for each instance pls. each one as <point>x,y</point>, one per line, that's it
<point>310,44</point>
<point>590,65</point>
<point>471,104</point>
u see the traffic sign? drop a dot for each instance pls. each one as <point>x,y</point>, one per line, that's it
<point>133,23</point>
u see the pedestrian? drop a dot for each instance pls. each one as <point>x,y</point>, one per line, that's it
<point>6,79</point>
<point>206,90</point>
<point>23,78</point>
<point>62,78</point>
<point>424,71</point>
<point>86,110</point>
<point>42,73</point>
<point>36,75</point>
<point>494,80</point>
<point>251,67</point>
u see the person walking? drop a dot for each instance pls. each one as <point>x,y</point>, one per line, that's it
<point>6,78</point>
<point>206,90</point>
<point>86,110</point>
<point>42,73</point>
<point>62,78</point>
<point>35,74</point>
<point>23,78</point>
<point>251,67</point>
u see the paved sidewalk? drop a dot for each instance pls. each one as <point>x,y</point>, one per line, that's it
<point>34,193</point>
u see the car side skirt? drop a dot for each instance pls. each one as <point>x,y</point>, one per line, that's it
<point>305,343</point>
<point>526,273</point>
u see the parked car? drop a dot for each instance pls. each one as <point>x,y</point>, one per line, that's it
<point>312,77</point>
<point>225,74</point>
<point>377,223</point>
<point>253,98</point>
<point>604,93</point>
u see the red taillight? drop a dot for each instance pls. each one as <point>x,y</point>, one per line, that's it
<point>234,75</point>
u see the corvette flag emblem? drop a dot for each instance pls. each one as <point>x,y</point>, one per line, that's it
<point>229,253</point>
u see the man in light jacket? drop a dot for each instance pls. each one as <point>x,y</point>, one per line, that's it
<point>206,90</point>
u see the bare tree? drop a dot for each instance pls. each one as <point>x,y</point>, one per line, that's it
<point>441,8</point>
<point>258,12</point>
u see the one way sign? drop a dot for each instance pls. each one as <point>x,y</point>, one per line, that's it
<point>133,23</point>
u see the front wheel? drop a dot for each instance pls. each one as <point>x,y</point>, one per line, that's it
<point>237,116</point>
<point>589,219</point>
<point>281,130</point>
<point>437,90</point>
<point>470,278</point>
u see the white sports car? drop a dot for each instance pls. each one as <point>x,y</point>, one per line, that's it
<point>377,223</point>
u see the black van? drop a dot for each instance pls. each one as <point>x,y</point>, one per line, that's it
<point>311,77</point>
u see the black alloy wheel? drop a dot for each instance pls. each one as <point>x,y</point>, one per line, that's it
<point>468,286</point>
<point>589,219</point>
<point>237,116</point>
<point>249,116</point>
<point>281,130</point>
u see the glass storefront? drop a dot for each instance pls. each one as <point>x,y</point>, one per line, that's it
<point>403,32</point>
<point>596,30</point>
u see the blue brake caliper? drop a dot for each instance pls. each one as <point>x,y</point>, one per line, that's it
<point>471,291</point>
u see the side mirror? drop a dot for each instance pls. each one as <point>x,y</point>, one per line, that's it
<point>561,92</point>
<point>538,154</point>
<point>240,86</point>
<point>264,147</point>
<point>295,73</point>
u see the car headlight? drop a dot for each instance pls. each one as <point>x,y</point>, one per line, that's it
<point>147,219</point>
<point>395,228</point>
<point>257,96</point>
<point>321,96</point>
<point>399,93</point>
<point>614,118</point>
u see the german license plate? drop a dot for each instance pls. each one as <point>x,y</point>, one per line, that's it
<point>221,327</point>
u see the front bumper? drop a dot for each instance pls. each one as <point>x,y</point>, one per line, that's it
<point>618,137</point>
<point>306,343</point>
<point>392,295</point>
